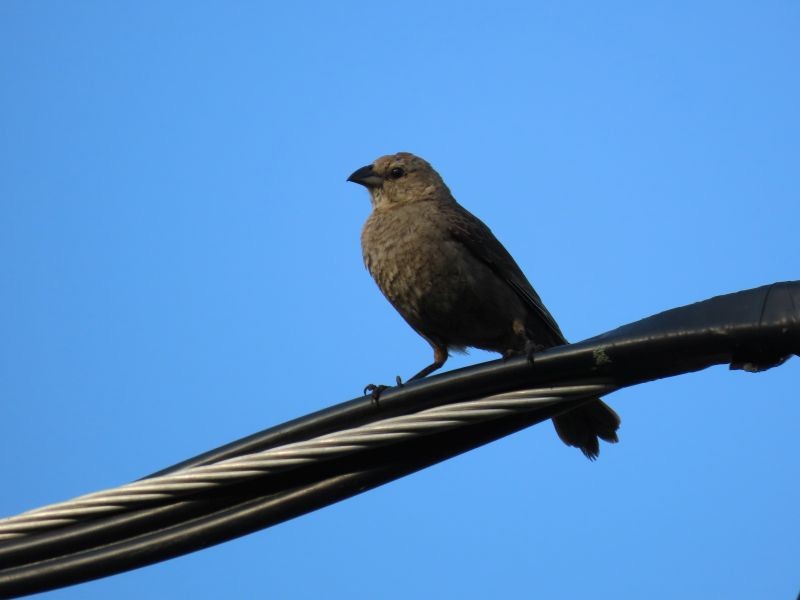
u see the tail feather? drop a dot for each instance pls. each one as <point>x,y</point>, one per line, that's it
<point>581,427</point>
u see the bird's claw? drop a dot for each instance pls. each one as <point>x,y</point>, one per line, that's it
<point>374,392</point>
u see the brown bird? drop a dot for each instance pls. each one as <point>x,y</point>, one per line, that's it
<point>455,284</point>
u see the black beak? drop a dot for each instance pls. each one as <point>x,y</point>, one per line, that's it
<point>367,177</point>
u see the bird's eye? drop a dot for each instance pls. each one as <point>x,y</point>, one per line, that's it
<point>396,173</point>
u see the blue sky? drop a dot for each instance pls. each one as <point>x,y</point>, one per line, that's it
<point>181,267</point>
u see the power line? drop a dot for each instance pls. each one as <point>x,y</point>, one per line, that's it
<point>752,330</point>
<point>165,489</point>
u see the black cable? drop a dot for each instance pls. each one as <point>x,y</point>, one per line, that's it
<point>754,329</point>
<point>254,509</point>
<point>761,325</point>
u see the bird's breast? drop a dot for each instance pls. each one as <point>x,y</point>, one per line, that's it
<point>437,284</point>
<point>412,262</point>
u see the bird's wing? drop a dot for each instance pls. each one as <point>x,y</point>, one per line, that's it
<point>483,245</point>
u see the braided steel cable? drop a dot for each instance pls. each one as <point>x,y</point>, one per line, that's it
<point>169,488</point>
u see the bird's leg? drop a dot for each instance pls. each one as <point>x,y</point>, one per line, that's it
<point>531,348</point>
<point>439,358</point>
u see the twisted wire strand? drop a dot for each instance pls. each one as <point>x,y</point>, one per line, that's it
<point>239,469</point>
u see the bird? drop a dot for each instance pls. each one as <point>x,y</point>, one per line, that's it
<point>456,285</point>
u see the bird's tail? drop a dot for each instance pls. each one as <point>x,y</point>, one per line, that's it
<point>582,426</point>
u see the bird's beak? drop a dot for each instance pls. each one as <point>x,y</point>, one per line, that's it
<point>367,177</point>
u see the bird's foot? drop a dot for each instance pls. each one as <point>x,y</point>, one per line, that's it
<point>532,348</point>
<point>375,392</point>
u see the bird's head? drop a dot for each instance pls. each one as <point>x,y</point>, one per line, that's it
<point>400,178</point>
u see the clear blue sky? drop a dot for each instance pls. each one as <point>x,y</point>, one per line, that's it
<point>181,267</point>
